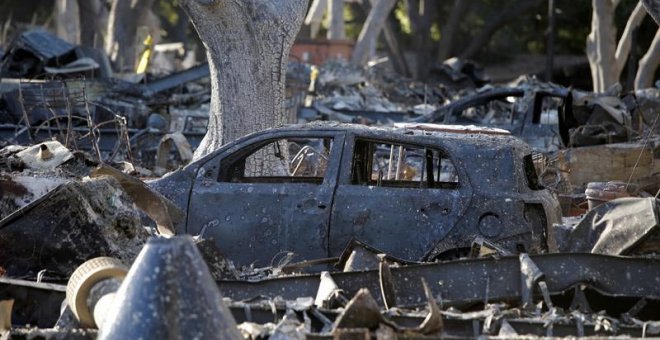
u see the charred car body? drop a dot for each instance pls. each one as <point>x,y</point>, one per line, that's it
<point>415,192</point>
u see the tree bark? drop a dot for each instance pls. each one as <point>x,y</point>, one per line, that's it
<point>68,25</point>
<point>94,18</point>
<point>601,45</point>
<point>123,21</point>
<point>450,28</point>
<point>648,64</point>
<point>653,7</point>
<point>379,13</point>
<point>496,22</point>
<point>247,46</point>
<point>389,38</point>
<point>606,58</point>
<point>315,16</point>
<point>394,49</point>
<point>336,12</point>
<point>421,14</point>
<point>623,48</point>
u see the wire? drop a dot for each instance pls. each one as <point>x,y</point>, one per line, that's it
<point>646,140</point>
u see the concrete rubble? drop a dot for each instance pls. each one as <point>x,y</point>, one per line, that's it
<point>94,243</point>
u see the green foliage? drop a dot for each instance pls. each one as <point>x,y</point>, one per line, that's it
<point>353,24</point>
<point>166,10</point>
<point>401,16</point>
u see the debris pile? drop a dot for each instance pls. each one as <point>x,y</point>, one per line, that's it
<point>542,295</point>
<point>52,89</point>
<point>376,95</point>
<point>583,286</point>
<point>409,228</point>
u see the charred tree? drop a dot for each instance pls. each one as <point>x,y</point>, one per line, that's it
<point>123,21</point>
<point>336,13</point>
<point>66,18</point>
<point>648,64</point>
<point>94,18</point>
<point>653,7</point>
<point>450,28</point>
<point>421,14</point>
<point>376,19</point>
<point>247,45</point>
<point>607,58</point>
<point>390,40</point>
<point>315,16</point>
<point>395,50</point>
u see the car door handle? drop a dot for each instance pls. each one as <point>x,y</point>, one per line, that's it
<point>312,205</point>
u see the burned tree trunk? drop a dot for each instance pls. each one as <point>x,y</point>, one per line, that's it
<point>422,13</point>
<point>123,22</point>
<point>336,12</point>
<point>68,25</point>
<point>94,18</point>
<point>379,13</point>
<point>606,58</point>
<point>247,46</point>
<point>451,27</point>
<point>653,7</point>
<point>396,52</point>
<point>390,40</point>
<point>315,16</point>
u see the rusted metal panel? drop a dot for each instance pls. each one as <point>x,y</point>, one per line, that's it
<point>474,280</point>
<point>617,283</point>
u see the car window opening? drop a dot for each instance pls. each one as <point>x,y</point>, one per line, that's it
<point>530,173</point>
<point>404,166</point>
<point>286,160</point>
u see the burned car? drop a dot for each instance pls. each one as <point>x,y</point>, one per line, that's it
<point>416,192</point>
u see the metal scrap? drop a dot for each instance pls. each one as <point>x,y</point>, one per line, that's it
<point>32,51</point>
<point>46,155</point>
<point>462,282</point>
<point>618,227</point>
<point>157,207</point>
<point>68,225</point>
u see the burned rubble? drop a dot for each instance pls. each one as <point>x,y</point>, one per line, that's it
<point>541,221</point>
<point>490,289</point>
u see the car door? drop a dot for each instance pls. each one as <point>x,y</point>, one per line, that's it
<point>268,197</point>
<point>398,197</point>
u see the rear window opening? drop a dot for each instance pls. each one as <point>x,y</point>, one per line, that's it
<point>530,173</point>
<point>404,166</point>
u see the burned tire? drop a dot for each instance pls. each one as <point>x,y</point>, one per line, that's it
<point>84,278</point>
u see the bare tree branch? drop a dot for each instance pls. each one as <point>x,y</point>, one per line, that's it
<point>315,16</point>
<point>67,22</point>
<point>653,7</point>
<point>623,49</point>
<point>371,30</point>
<point>601,44</point>
<point>648,64</point>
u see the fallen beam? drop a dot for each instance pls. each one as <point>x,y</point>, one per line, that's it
<point>474,280</point>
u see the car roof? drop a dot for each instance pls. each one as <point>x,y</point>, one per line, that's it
<point>481,137</point>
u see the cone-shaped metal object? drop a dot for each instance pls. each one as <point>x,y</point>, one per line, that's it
<point>169,294</point>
